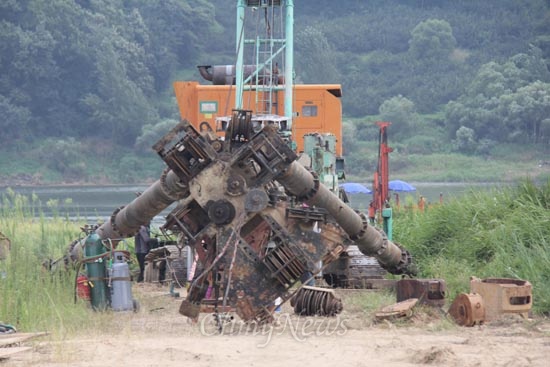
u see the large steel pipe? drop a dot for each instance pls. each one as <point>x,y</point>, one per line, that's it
<point>125,221</point>
<point>302,183</point>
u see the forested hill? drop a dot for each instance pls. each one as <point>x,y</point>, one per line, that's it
<point>85,85</point>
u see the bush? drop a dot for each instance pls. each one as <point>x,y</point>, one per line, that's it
<point>65,156</point>
<point>422,144</point>
<point>485,234</point>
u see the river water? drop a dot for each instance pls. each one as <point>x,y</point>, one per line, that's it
<point>97,203</point>
<point>89,203</point>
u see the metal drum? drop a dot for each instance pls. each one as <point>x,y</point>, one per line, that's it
<point>468,309</point>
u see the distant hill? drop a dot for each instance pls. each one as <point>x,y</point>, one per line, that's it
<point>85,86</point>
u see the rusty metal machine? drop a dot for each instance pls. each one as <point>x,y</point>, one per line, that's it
<point>259,221</point>
<point>491,298</point>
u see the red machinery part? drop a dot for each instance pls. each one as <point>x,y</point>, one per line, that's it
<point>83,287</point>
<point>381,176</point>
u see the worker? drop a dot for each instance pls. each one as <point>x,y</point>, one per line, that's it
<point>421,203</point>
<point>372,212</point>
<point>396,200</point>
<point>142,248</point>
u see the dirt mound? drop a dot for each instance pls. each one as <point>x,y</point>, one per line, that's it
<point>435,355</point>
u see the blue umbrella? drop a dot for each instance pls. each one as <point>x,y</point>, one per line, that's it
<point>398,185</point>
<point>355,188</point>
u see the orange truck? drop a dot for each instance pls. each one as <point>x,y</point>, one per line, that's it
<point>318,107</point>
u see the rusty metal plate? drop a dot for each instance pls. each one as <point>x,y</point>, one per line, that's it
<point>468,309</point>
<point>398,310</point>
<point>430,292</point>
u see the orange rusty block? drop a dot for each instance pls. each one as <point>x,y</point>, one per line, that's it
<point>503,295</point>
<point>468,309</point>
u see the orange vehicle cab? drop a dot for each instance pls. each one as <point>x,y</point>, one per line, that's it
<point>317,108</point>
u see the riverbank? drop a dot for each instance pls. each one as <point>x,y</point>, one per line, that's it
<point>507,163</point>
<point>37,180</point>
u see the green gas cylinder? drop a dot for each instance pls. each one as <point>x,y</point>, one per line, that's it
<point>95,270</point>
<point>388,222</point>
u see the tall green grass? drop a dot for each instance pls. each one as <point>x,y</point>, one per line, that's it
<point>33,298</point>
<point>504,233</point>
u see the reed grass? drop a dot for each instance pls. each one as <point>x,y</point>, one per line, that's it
<point>33,298</point>
<point>498,233</point>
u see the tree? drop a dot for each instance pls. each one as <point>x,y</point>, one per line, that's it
<point>151,133</point>
<point>315,61</point>
<point>400,111</point>
<point>465,141</point>
<point>525,110</point>
<point>505,102</point>
<point>432,39</point>
<point>178,32</point>
<point>14,121</point>
<point>545,131</point>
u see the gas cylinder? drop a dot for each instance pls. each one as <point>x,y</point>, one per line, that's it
<point>83,287</point>
<point>121,287</point>
<point>95,270</point>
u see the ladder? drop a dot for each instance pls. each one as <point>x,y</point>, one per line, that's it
<point>268,52</point>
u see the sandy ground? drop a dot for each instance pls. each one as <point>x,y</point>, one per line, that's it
<point>158,336</point>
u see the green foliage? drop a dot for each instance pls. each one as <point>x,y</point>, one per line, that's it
<point>74,69</point>
<point>506,102</point>
<point>133,168</point>
<point>16,119</point>
<point>32,298</point>
<point>64,156</point>
<point>465,141</point>
<point>401,112</point>
<point>151,133</point>
<point>427,52</point>
<point>101,71</point>
<point>500,233</point>
<point>432,39</point>
<point>422,144</point>
<point>315,57</point>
